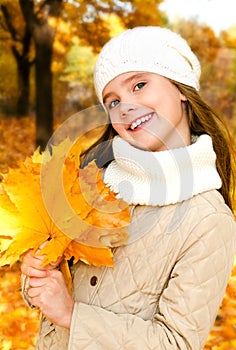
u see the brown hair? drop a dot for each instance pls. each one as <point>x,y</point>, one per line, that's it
<point>202,120</point>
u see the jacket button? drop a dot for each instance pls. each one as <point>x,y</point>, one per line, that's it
<point>93,280</point>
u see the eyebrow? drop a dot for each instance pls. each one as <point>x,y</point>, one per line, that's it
<point>124,82</point>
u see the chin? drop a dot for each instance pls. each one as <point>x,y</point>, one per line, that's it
<point>141,145</point>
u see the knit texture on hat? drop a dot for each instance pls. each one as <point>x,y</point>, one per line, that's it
<point>147,49</point>
<point>162,178</point>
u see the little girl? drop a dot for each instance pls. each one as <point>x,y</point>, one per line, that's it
<point>171,162</point>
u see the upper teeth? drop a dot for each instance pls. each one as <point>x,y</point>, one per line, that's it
<point>140,121</point>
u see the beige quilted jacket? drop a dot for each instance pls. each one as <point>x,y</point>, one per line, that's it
<point>165,288</point>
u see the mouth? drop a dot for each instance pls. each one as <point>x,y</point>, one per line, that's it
<point>140,121</point>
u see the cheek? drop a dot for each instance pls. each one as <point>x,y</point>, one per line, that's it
<point>172,108</point>
<point>115,121</point>
<point>119,129</point>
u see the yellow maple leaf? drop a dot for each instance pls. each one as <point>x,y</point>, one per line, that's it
<point>48,199</point>
<point>9,212</point>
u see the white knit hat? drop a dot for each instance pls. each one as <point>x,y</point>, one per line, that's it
<point>147,49</point>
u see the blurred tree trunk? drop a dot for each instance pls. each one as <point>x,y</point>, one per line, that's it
<point>22,61</point>
<point>43,35</point>
<point>23,75</point>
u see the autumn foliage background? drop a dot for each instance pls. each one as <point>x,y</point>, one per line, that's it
<point>28,117</point>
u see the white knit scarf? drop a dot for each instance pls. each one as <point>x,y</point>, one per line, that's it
<point>162,178</point>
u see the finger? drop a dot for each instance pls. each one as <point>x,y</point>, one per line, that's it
<point>39,293</point>
<point>33,272</point>
<point>31,254</point>
<point>55,264</point>
<point>52,265</point>
<point>38,282</point>
<point>34,292</point>
<point>35,295</point>
<point>33,267</point>
<point>32,260</point>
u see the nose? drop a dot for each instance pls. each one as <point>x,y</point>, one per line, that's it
<point>126,108</point>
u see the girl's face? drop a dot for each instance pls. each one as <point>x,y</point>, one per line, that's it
<point>147,110</point>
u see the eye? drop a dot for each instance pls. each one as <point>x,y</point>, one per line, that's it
<point>112,104</point>
<point>139,86</point>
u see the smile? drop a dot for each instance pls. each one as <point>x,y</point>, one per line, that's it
<point>140,121</point>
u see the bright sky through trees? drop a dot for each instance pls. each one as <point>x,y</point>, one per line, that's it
<point>218,14</point>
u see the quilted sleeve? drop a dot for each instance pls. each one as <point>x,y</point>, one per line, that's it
<point>187,307</point>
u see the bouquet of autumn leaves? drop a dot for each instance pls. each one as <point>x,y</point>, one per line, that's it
<point>48,198</point>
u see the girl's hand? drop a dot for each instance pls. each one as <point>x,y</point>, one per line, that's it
<point>51,295</point>
<point>47,289</point>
